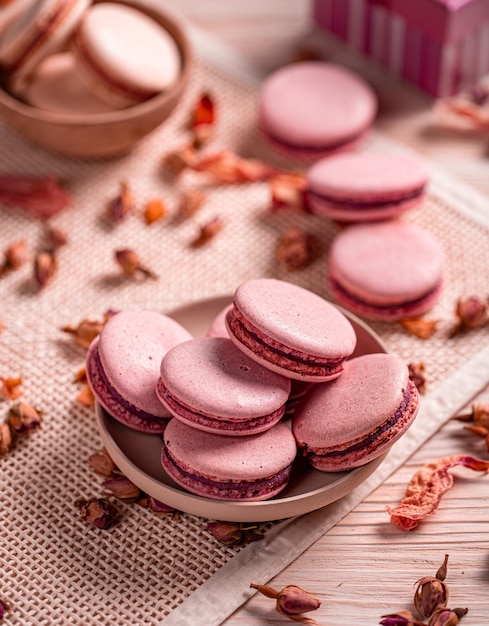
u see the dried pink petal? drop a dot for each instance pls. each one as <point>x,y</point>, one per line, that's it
<point>102,463</point>
<point>10,387</point>
<point>178,161</point>
<point>426,488</point>
<point>97,511</point>
<point>207,232</point>
<point>420,327</point>
<point>122,488</point>
<point>159,508</point>
<point>226,167</point>
<point>292,601</point>
<point>85,332</point>
<point>288,191</point>
<point>42,197</point>
<point>55,239</point>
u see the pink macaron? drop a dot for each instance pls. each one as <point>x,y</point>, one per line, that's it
<point>387,270</point>
<point>365,186</point>
<point>44,27</point>
<point>210,384</point>
<point>124,55</point>
<point>313,108</point>
<point>290,330</point>
<point>242,469</point>
<point>357,417</point>
<point>123,366</point>
<point>217,327</point>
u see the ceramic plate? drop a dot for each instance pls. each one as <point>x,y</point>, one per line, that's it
<point>138,454</point>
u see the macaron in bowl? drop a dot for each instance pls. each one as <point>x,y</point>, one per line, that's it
<point>386,271</point>
<point>123,366</point>
<point>241,469</point>
<point>365,186</point>
<point>210,384</point>
<point>290,330</point>
<point>313,108</point>
<point>357,417</point>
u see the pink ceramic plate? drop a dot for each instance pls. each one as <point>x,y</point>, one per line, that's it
<point>138,454</point>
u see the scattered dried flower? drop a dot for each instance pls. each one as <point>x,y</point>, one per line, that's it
<point>233,533</point>
<point>14,257</point>
<point>10,388</point>
<point>447,617</point>
<point>479,415</point>
<point>420,327</point>
<point>295,249</point>
<point>130,264</point>
<point>207,232</point>
<point>190,202</point>
<point>55,239</point>
<point>417,375</point>
<point>226,167</point>
<point>202,119</point>
<point>7,438</point>
<point>432,592</point>
<point>97,511</point>
<point>471,104</point>
<point>472,313</point>
<point>401,618</point>
<point>23,418</point>
<point>5,609</point>
<point>288,191</point>
<point>85,397</point>
<point>45,266</point>
<point>122,205</point>
<point>122,488</point>
<point>154,210</point>
<point>426,488</point>
<point>178,161</point>
<point>159,508</point>
<point>42,197</point>
<point>85,332</point>
<point>292,601</point>
<point>101,463</point>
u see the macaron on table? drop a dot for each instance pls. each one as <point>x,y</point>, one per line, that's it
<point>296,415</point>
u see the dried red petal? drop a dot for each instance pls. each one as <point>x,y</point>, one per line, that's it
<point>426,488</point>
<point>42,197</point>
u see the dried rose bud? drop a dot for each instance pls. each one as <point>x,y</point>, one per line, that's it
<point>130,264</point>
<point>85,332</point>
<point>447,617</point>
<point>292,601</point>
<point>190,202</point>
<point>159,508</point>
<point>472,313</point>
<point>207,232</point>
<point>98,511</point>
<point>154,210</point>
<point>432,592</point>
<point>7,438</point>
<point>122,205</point>
<point>288,191</point>
<point>10,388</point>
<point>55,239</point>
<point>401,618</point>
<point>417,375</point>
<point>420,327</point>
<point>23,417</point>
<point>177,162</point>
<point>5,609</point>
<point>14,257</point>
<point>102,464</point>
<point>479,415</point>
<point>233,533</point>
<point>295,249</point>
<point>122,488</point>
<point>45,266</point>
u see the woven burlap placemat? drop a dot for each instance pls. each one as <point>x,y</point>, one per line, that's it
<point>55,568</point>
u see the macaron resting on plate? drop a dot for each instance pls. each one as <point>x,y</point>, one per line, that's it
<point>312,108</point>
<point>357,417</point>
<point>365,186</point>
<point>210,384</point>
<point>290,330</point>
<point>250,468</point>
<point>123,366</point>
<point>387,270</point>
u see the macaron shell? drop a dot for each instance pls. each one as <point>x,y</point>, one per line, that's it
<point>211,375</point>
<point>132,345</point>
<point>386,263</point>
<point>316,105</point>
<point>218,326</point>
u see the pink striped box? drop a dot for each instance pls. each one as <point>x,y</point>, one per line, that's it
<point>439,45</point>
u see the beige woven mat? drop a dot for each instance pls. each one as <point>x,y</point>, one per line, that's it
<point>56,569</point>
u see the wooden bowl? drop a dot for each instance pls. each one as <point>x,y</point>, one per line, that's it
<point>102,134</point>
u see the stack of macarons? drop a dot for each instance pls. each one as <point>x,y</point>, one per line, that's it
<point>77,58</point>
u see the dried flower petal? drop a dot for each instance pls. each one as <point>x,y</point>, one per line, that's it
<point>295,249</point>
<point>5,609</point>
<point>159,508</point>
<point>14,257</point>
<point>122,205</point>
<point>292,601</point>
<point>131,264</point>
<point>7,438</point>
<point>479,415</point>
<point>55,239</point>
<point>85,332</point>
<point>101,463</point>
<point>45,266</point>
<point>98,511</point>
<point>10,388</point>
<point>432,592</point>
<point>202,119</point>
<point>447,617</point>
<point>207,232</point>
<point>226,167</point>
<point>178,161</point>
<point>401,618</point>
<point>85,397</point>
<point>472,313</point>
<point>288,191</point>
<point>426,488</point>
<point>420,327</point>
<point>417,375</point>
<point>122,488</point>
<point>23,418</point>
<point>154,210</point>
<point>190,202</point>
<point>42,197</point>
<point>233,533</point>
